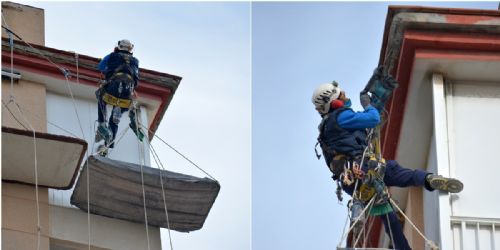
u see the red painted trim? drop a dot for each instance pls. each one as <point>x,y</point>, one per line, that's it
<point>452,15</point>
<point>478,47</point>
<point>456,55</point>
<point>42,66</point>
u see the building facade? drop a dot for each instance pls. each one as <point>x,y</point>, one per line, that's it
<point>52,91</point>
<point>443,119</point>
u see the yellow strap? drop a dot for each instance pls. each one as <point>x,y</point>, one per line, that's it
<point>115,101</point>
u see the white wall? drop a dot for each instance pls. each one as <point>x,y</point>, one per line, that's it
<point>67,221</point>
<point>61,112</point>
<point>474,135</point>
<point>431,199</point>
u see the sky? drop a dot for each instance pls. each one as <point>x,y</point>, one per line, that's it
<point>296,47</point>
<point>243,110</point>
<point>209,118</point>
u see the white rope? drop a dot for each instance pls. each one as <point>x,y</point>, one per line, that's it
<point>159,163</point>
<point>343,231</point>
<point>83,134</point>
<point>141,159</point>
<point>364,225</point>
<point>116,141</point>
<point>74,106</point>
<point>36,178</point>
<point>369,232</point>
<point>179,153</point>
<point>11,45</point>
<point>38,227</point>
<point>39,118</point>
<point>88,194</point>
<point>13,116</point>
<point>37,51</point>
<point>357,219</point>
<point>430,243</point>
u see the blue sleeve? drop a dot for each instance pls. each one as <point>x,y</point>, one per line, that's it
<point>103,65</point>
<point>359,120</point>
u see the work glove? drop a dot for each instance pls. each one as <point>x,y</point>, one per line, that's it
<point>365,99</point>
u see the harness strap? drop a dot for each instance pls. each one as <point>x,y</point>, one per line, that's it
<point>117,72</point>
<point>115,101</point>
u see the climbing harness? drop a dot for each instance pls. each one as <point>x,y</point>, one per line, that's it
<point>370,196</point>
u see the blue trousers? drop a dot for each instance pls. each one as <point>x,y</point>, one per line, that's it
<point>398,176</point>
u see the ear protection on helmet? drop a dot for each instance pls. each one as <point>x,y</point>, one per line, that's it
<point>335,104</point>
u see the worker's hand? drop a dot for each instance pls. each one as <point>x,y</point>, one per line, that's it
<point>365,100</point>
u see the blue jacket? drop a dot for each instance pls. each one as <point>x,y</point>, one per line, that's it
<point>369,118</point>
<point>110,63</point>
<point>344,131</point>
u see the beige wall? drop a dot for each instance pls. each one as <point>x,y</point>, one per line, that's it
<point>31,97</point>
<point>414,210</point>
<point>19,217</point>
<point>19,206</point>
<point>26,21</point>
<point>70,224</point>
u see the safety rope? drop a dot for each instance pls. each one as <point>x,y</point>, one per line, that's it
<point>38,227</point>
<point>12,99</point>
<point>38,117</point>
<point>116,141</point>
<point>159,163</point>
<point>363,227</point>
<point>369,232</point>
<point>343,231</point>
<point>83,134</point>
<point>179,153</point>
<point>356,221</point>
<point>13,116</point>
<point>141,159</point>
<point>430,243</point>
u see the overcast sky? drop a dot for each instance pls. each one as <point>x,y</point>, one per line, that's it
<point>209,119</point>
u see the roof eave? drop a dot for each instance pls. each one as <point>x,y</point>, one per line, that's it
<point>159,84</point>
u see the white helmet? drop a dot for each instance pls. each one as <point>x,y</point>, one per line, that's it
<point>324,94</point>
<point>125,45</point>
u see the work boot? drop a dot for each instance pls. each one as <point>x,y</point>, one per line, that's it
<point>444,184</point>
<point>102,150</point>
<point>102,133</point>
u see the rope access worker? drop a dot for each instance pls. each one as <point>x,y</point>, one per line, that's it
<point>121,70</point>
<point>343,139</point>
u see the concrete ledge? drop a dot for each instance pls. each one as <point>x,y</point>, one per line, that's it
<point>116,192</point>
<point>58,158</point>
